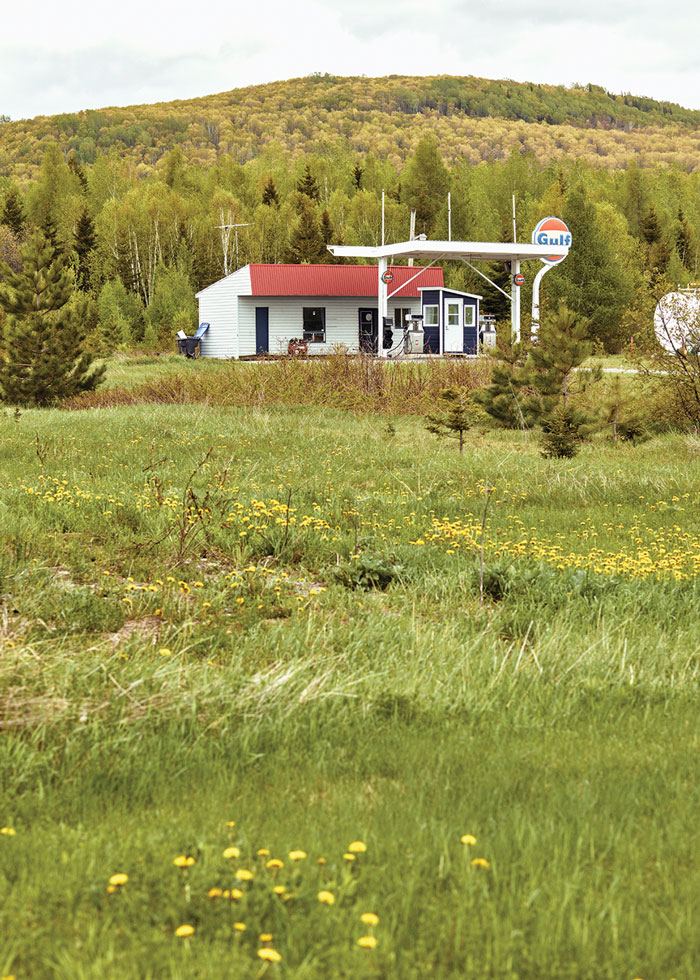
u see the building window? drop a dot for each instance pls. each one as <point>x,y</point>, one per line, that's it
<point>315,324</point>
<point>469,315</point>
<point>430,316</point>
<point>453,314</point>
<point>400,316</point>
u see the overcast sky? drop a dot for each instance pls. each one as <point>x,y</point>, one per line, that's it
<point>63,57</point>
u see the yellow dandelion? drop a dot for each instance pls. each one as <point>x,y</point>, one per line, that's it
<point>349,856</point>
<point>239,926</point>
<point>265,937</point>
<point>369,918</point>
<point>326,898</point>
<point>244,875</point>
<point>230,823</point>
<point>297,855</point>
<point>119,879</point>
<point>111,889</point>
<point>480,863</point>
<point>279,889</point>
<point>468,839</point>
<point>357,847</point>
<point>236,894</point>
<point>182,861</point>
<point>263,852</point>
<point>215,893</point>
<point>164,652</point>
<point>8,831</point>
<point>232,852</point>
<point>274,864</point>
<point>320,861</point>
<point>184,931</point>
<point>367,942</point>
<point>269,954</point>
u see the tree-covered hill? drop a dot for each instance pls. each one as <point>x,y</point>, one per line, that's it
<point>473,119</point>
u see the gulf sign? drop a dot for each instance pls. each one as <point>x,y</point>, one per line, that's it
<point>552,231</point>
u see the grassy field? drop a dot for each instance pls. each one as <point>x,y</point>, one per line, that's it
<point>287,630</point>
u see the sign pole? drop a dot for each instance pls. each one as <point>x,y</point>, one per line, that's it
<point>536,299</point>
<point>382,304</point>
<point>515,302</point>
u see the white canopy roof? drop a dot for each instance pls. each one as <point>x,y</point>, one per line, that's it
<point>469,251</point>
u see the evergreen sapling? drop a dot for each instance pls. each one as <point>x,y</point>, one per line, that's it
<point>42,359</point>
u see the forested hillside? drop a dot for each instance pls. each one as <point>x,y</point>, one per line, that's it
<point>473,119</point>
<point>136,195</point>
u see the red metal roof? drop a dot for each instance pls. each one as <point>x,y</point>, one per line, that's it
<point>337,280</point>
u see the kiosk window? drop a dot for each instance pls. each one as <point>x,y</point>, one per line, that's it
<point>468,315</point>
<point>430,314</point>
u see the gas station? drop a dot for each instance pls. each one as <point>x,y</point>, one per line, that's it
<point>550,245</point>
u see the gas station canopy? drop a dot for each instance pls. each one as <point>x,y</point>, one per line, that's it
<point>550,252</point>
<point>469,251</point>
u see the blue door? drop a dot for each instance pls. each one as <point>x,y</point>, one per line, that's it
<point>262,330</point>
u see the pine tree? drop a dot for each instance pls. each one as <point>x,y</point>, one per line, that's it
<point>306,243</point>
<point>658,251</point>
<point>562,346</point>
<point>84,243</point>
<point>42,359</point>
<point>13,213</point>
<point>269,194</point>
<point>455,418</point>
<point>307,184</point>
<point>77,170</point>
<point>357,175</point>
<point>327,231</point>
<point>502,399</point>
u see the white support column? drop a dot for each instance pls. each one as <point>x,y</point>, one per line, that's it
<point>536,299</point>
<point>382,305</point>
<point>515,302</point>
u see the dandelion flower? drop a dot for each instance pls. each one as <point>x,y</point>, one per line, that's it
<point>468,839</point>
<point>244,875</point>
<point>184,931</point>
<point>326,898</point>
<point>230,823</point>
<point>263,852</point>
<point>183,862</point>
<point>357,847</point>
<point>279,889</point>
<point>297,855</point>
<point>215,893</point>
<point>349,856</point>
<point>119,879</point>
<point>369,918</point>
<point>164,652</point>
<point>8,831</point>
<point>367,942</point>
<point>320,861</point>
<point>265,937</point>
<point>232,852</point>
<point>236,894</point>
<point>239,926</point>
<point>480,863</point>
<point>269,954</point>
<point>274,864</point>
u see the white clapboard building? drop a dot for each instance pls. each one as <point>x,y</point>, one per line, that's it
<point>261,308</point>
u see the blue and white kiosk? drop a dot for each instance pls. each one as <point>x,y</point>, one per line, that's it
<point>452,317</point>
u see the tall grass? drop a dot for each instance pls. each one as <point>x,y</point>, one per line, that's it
<point>340,380</point>
<point>360,690</point>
